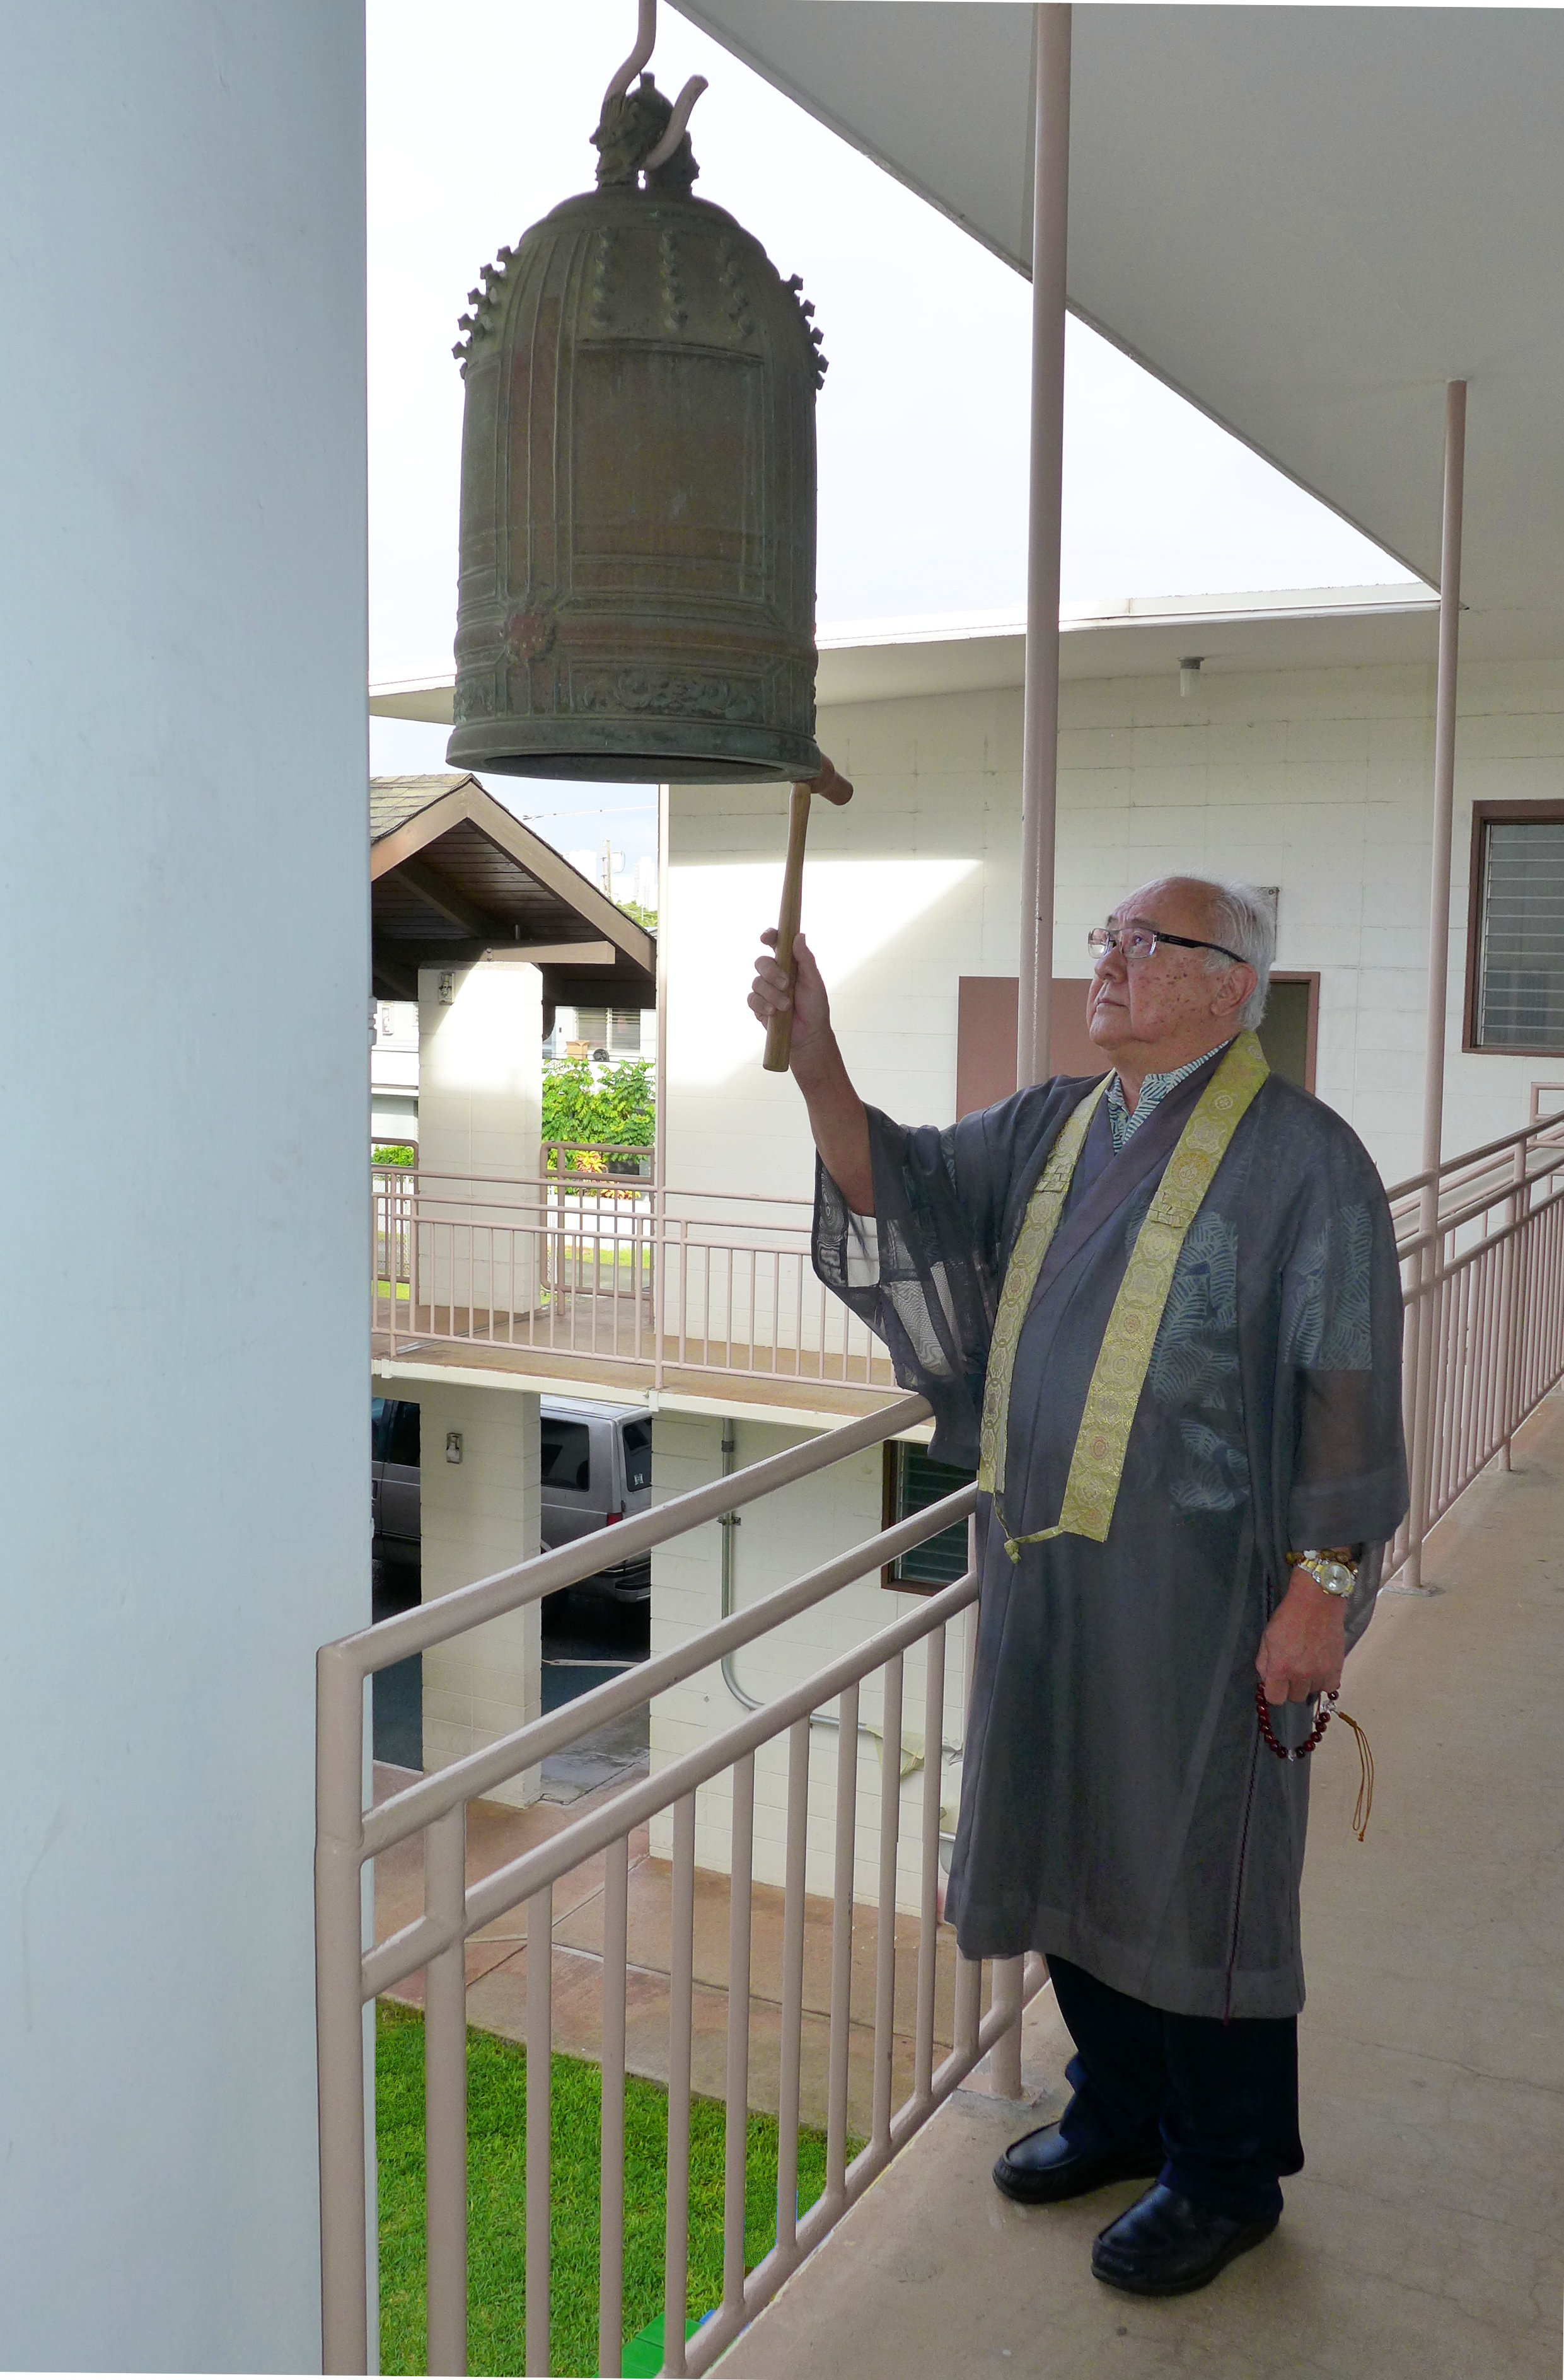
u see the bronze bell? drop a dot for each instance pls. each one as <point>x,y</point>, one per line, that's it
<point>637,586</point>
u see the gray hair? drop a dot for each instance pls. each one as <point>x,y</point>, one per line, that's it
<point>1242,918</point>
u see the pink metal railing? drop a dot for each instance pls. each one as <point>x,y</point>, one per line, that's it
<point>1481,1250</point>
<point>435,1807</point>
<point>587,1268</point>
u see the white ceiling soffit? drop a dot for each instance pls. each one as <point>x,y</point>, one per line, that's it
<point>1307,220</point>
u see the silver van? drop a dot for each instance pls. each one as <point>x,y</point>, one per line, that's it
<point>595,1469</point>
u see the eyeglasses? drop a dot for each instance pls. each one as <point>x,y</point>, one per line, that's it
<point>1136,942</point>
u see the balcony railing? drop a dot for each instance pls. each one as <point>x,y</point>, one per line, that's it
<point>726,1765</point>
<point>578,1270</point>
<point>1482,1249</point>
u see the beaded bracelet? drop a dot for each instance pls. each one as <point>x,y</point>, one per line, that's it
<point>1326,1712</point>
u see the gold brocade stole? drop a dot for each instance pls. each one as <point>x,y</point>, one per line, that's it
<point>1097,1465</point>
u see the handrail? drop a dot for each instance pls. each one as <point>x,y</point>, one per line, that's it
<point>1395,1192</point>
<point>1473,1156</point>
<point>395,1175</point>
<point>370,1649</point>
<point>435,1808</point>
<point>404,1813</point>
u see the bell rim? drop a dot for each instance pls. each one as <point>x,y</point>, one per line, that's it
<point>688,759</point>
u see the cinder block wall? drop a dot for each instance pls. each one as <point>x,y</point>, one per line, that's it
<point>1316,781</point>
<point>480,1516</point>
<point>776,1542</point>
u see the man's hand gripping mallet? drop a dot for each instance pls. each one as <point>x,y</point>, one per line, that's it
<point>779,1027</point>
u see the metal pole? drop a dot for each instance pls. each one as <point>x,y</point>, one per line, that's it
<point>1039,754</point>
<point>1439,960</point>
<point>659,1127</point>
<point>339,1787</point>
<point>445,2098</point>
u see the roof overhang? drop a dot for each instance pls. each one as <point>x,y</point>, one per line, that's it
<point>455,879</point>
<point>1305,220</point>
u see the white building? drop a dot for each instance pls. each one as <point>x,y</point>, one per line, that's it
<point>1298,754</point>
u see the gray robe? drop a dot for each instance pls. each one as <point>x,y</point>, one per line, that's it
<point>1119,1807</point>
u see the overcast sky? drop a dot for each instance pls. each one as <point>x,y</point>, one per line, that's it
<point>479,117</point>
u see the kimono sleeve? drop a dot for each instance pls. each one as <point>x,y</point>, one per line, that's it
<point>1341,1354</point>
<point>924,1270</point>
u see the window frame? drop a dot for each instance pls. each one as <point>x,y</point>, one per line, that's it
<point>1484,815</point>
<point>889,1517</point>
<point>570,1426</point>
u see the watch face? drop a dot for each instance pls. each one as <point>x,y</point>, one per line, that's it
<point>1336,1578</point>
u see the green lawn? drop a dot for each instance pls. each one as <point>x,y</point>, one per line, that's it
<point>497,2200</point>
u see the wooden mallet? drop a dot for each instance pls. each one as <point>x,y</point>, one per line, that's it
<point>779,1032</point>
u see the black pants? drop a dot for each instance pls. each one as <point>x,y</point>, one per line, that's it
<point>1220,2098</point>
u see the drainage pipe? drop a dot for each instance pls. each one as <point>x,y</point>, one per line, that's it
<point>728,1524</point>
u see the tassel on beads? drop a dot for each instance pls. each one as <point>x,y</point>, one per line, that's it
<point>1364,1802</point>
<point>1328,1709</point>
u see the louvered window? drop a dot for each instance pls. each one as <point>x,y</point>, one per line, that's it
<point>914,1481</point>
<point>1519,1001</point>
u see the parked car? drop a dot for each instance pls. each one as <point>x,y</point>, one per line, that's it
<point>393,1479</point>
<point>595,1466</point>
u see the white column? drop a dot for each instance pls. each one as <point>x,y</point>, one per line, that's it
<point>1438,948</point>
<point>184,1446</point>
<point>480,1513</point>
<point>1039,760</point>
<point>1444,775</point>
<point>481,1070</point>
<point>480,1091</point>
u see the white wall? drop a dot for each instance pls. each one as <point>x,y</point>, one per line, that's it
<point>480,1516</point>
<point>1317,781</point>
<point>184,1488</point>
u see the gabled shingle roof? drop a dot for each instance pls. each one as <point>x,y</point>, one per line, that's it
<point>454,875</point>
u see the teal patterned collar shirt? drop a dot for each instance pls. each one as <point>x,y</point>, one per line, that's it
<point>1122,1121</point>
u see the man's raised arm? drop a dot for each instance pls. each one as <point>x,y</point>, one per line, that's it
<point>837,1117</point>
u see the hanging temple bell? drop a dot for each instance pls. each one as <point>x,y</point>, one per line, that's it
<point>636,585</point>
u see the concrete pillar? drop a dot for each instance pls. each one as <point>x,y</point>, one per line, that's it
<point>480,1069</point>
<point>184,974</point>
<point>480,1095</point>
<point>480,1514</point>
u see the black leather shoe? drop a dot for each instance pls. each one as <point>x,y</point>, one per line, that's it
<point>1164,2245</point>
<point>1039,2169</point>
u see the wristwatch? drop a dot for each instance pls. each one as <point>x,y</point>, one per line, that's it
<point>1335,1569</point>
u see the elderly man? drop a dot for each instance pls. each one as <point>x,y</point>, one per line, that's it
<point>1160,1314</point>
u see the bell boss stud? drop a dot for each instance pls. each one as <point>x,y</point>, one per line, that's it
<point>831,788</point>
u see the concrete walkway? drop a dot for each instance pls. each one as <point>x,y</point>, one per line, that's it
<point>1426,2239</point>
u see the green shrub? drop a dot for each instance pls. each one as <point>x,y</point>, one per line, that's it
<point>612,1105</point>
<point>392,1152</point>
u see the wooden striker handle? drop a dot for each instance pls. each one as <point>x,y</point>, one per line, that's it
<point>779,1032</point>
